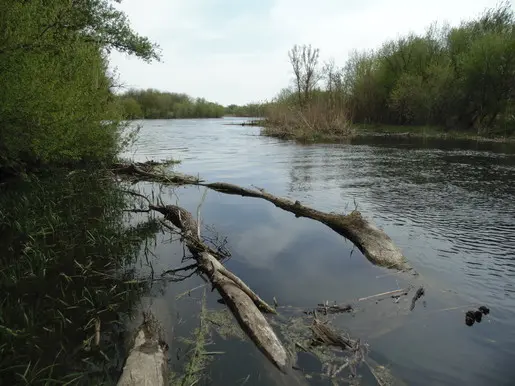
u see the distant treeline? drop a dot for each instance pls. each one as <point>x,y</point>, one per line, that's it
<point>154,104</point>
<point>459,78</point>
<point>250,110</point>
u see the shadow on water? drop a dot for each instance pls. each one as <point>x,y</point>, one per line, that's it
<point>66,271</point>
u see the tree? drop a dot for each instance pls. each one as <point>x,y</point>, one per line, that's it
<point>304,61</point>
<point>57,103</point>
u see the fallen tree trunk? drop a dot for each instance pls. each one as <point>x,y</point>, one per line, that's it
<point>373,242</point>
<point>240,299</point>
<point>147,360</point>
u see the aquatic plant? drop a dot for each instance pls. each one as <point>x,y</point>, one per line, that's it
<point>67,278</point>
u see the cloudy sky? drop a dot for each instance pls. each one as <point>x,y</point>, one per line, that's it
<point>236,51</point>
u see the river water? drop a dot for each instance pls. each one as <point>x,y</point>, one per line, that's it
<point>449,206</point>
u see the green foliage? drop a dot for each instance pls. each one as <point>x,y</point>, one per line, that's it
<point>57,104</point>
<point>154,104</point>
<point>249,110</point>
<point>460,78</point>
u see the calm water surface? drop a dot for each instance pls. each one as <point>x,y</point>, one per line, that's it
<point>450,207</point>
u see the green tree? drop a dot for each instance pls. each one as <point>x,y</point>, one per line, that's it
<point>57,104</point>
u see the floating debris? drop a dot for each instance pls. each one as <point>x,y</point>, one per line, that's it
<point>484,310</point>
<point>420,292</point>
<point>472,317</point>
<point>325,309</point>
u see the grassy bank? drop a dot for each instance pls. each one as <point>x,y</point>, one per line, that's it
<point>66,256</point>
<point>304,134</point>
<point>425,131</point>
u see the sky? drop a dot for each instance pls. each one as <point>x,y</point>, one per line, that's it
<point>236,51</point>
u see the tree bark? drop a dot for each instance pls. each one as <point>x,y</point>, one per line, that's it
<point>146,364</point>
<point>373,242</point>
<point>240,299</point>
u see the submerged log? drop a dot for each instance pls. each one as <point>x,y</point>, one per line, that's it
<point>240,299</point>
<point>147,360</point>
<point>250,319</point>
<point>373,242</point>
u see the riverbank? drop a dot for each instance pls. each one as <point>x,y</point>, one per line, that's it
<point>305,135</point>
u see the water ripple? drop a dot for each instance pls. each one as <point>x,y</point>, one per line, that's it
<point>451,208</point>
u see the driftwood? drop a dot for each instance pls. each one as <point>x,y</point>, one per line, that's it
<point>325,308</point>
<point>147,360</point>
<point>325,335</point>
<point>373,242</point>
<point>241,300</point>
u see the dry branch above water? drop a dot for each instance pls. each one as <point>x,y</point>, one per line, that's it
<point>373,242</point>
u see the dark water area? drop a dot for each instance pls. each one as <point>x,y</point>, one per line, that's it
<point>448,204</point>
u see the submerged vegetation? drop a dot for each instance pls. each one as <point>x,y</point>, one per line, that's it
<point>66,248</point>
<point>454,78</point>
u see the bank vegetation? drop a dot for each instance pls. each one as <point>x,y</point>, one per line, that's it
<point>451,80</point>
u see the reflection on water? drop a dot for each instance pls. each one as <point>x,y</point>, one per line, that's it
<point>449,205</point>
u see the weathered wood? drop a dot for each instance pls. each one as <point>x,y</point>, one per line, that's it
<point>373,242</point>
<point>240,299</point>
<point>146,364</point>
<point>183,220</point>
<point>250,319</point>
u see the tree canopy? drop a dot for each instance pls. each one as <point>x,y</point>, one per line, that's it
<point>152,104</point>
<point>460,77</point>
<point>57,103</point>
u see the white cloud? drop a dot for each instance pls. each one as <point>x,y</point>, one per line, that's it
<point>236,51</point>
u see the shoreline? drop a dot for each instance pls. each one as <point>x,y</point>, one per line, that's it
<point>379,131</point>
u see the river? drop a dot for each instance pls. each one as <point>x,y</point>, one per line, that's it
<point>450,206</point>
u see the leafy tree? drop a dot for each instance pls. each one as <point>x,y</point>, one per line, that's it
<point>154,104</point>
<point>459,78</point>
<point>57,103</point>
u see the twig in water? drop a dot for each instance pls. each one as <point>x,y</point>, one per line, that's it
<point>137,210</point>
<point>189,291</point>
<point>198,212</point>
<point>399,291</point>
<point>187,268</point>
<point>132,193</point>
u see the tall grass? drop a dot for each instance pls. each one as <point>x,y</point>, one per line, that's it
<point>64,253</point>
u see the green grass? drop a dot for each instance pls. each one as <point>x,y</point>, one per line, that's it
<point>375,130</point>
<point>426,131</point>
<point>65,258</point>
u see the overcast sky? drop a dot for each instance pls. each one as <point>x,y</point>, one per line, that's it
<point>236,51</point>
